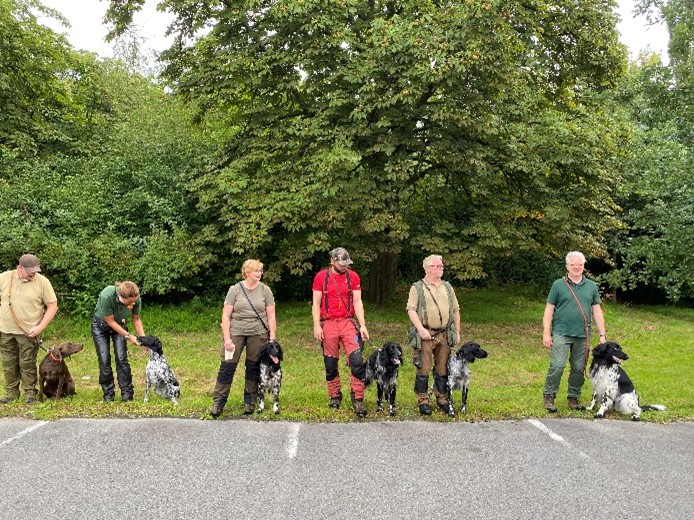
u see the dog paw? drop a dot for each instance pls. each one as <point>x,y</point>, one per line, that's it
<point>599,416</point>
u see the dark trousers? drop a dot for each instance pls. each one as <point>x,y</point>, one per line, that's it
<point>103,335</point>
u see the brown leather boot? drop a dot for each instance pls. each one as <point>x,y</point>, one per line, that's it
<point>549,403</point>
<point>217,407</point>
<point>575,405</point>
<point>359,408</point>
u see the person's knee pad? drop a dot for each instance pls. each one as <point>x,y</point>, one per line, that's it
<point>356,365</point>
<point>421,384</point>
<point>252,370</point>
<point>226,372</point>
<point>331,371</point>
<point>441,383</point>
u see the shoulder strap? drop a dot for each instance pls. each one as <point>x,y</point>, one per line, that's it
<point>253,307</point>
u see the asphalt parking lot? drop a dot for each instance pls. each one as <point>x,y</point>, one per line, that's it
<point>175,468</point>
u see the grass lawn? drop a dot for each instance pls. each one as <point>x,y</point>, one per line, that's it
<point>506,385</point>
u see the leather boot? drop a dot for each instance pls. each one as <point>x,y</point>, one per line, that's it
<point>549,403</point>
<point>359,408</point>
<point>574,404</point>
<point>220,396</point>
<point>218,407</point>
<point>335,402</point>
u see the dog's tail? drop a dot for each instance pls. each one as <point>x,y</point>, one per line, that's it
<point>656,407</point>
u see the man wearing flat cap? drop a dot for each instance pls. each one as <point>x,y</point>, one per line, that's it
<point>27,305</point>
<point>338,317</point>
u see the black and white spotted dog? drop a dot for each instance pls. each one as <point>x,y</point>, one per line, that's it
<point>270,375</point>
<point>459,372</point>
<point>158,373</point>
<point>383,367</point>
<point>612,387</point>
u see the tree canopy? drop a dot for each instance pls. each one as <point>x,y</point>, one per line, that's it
<point>466,128</point>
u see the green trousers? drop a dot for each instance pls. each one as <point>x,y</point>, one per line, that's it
<point>18,355</point>
<point>562,347</point>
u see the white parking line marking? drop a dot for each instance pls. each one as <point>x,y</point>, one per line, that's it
<point>537,424</point>
<point>23,433</point>
<point>293,444</point>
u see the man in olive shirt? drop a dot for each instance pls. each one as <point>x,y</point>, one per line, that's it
<point>433,310</point>
<point>27,305</point>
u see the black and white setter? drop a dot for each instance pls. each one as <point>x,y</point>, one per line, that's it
<point>459,372</point>
<point>158,373</point>
<point>271,356</point>
<point>383,367</point>
<point>612,387</point>
<point>54,376</point>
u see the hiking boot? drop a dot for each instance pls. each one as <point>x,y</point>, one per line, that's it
<point>248,409</point>
<point>424,409</point>
<point>217,409</point>
<point>549,403</point>
<point>30,400</point>
<point>575,405</point>
<point>335,402</point>
<point>359,408</point>
<point>126,397</point>
<point>447,409</point>
<point>108,398</point>
<point>8,399</point>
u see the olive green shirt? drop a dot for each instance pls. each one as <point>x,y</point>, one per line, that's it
<point>244,320</point>
<point>567,319</point>
<point>108,304</point>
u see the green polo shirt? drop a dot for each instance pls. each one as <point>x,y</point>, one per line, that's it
<point>109,305</point>
<point>567,319</point>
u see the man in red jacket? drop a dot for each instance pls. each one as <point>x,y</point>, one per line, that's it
<point>338,317</point>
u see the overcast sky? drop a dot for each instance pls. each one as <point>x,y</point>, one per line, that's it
<point>87,31</point>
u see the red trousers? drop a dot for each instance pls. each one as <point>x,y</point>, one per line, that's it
<point>342,331</point>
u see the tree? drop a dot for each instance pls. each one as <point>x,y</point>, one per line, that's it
<point>451,127</point>
<point>655,248</point>
<point>32,93</point>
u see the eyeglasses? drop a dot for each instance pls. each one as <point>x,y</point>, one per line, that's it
<point>439,266</point>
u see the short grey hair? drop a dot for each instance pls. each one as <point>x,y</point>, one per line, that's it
<point>575,254</point>
<point>429,258</point>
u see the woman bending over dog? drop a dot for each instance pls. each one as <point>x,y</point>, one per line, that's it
<point>115,304</point>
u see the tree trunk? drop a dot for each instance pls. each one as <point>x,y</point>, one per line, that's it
<point>382,278</point>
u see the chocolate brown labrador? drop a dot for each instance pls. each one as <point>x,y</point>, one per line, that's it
<point>54,377</point>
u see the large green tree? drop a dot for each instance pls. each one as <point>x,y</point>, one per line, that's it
<point>654,249</point>
<point>467,128</point>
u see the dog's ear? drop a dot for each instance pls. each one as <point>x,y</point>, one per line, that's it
<point>280,353</point>
<point>599,350</point>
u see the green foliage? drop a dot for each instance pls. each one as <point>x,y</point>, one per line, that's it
<point>655,248</point>
<point>465,128</point>
<point>34,102</point>
<point>506,385</point>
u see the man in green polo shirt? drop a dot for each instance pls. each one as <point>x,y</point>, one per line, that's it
<point>566,329</point>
